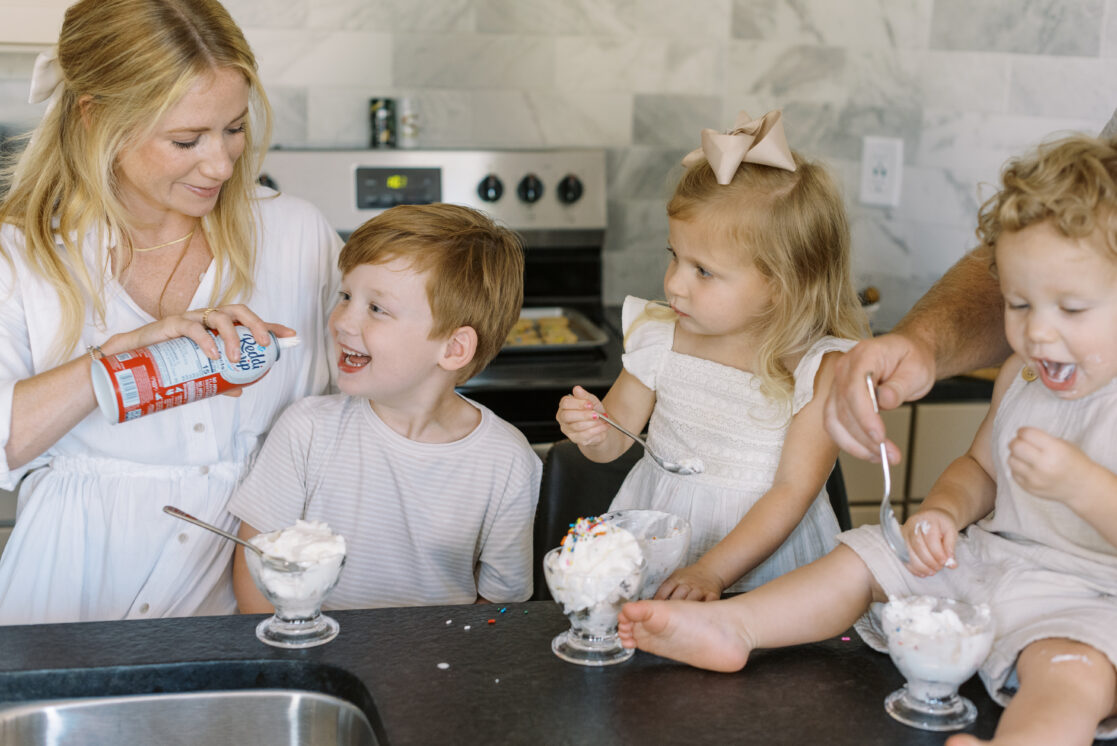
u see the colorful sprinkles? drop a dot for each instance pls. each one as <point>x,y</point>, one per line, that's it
<point>581,529</point>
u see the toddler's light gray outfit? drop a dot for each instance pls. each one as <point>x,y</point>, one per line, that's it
<point>1043,570</point>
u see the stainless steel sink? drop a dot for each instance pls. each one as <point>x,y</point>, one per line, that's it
<point>273,717</point>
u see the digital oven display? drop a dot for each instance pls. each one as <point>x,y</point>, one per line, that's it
<point>379,188</point>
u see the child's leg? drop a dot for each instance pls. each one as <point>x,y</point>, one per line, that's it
<point>1066,689</point>
<point>810,603</point>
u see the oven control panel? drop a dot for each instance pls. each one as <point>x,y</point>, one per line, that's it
<point>387,187</point>
<point>544,190</point>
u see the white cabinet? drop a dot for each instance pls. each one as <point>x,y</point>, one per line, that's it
<point>940,434</point>
<point>30,24</point>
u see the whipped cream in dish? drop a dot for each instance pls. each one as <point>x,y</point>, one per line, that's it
<point>320,554</point>
<point>598,567</point>
<point>937,643</point>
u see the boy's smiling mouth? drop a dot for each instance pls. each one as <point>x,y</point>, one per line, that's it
<point>350,361</point>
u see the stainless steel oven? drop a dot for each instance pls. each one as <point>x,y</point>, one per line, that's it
<point>554,199</point>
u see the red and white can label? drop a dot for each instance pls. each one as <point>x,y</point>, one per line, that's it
<point>175,372</point>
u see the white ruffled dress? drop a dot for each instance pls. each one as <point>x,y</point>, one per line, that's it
<point>719,414</point>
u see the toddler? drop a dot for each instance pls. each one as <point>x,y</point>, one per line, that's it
<point>434,493</point>
<point>1026,520</point>
<point>734,368</point>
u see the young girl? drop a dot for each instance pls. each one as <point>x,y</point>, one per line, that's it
<point>1039,480</point>
<point>734,369</point>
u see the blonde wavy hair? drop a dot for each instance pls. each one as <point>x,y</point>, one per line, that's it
<point>792,226</point>
<point>475,268</point>
<point>125,63</point>
<point>1071,181</point>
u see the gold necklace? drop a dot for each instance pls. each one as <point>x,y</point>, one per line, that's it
<point>174,269</point>
<point>168,243</point>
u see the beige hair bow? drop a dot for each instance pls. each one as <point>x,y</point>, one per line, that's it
<point>46,78</point>
<point>750,141</point>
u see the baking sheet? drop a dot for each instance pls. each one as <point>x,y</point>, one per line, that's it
<point>590,335</point>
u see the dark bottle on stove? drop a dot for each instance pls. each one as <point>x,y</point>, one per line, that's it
<point>382,121</point>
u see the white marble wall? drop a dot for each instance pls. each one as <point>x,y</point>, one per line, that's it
<point>964,84</point>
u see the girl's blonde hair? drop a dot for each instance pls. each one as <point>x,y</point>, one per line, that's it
<point>1071,181</point>
<point>792,226</point>
<point>124,64</point>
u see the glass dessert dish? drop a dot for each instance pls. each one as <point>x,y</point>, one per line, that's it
<point>664,539</point>
<point>937,643</point>
<point>597,570</point>
<point>297,594</point>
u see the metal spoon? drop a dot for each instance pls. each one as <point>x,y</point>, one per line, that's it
<point>278,562</point>
<point>889,526</point>
<point>682,469</point>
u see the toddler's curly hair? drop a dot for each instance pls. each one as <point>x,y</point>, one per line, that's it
<point>1071,181</point>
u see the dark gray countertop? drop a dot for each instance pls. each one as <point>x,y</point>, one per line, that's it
<point>503,684</point>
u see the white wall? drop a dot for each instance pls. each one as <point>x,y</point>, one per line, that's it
<point>964,84</point>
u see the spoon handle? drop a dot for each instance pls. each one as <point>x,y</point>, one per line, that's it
<point>623,429</point>
<point>172,510</point>
<point>889,526</point>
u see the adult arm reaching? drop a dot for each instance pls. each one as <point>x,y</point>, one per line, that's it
<point>957,326</point>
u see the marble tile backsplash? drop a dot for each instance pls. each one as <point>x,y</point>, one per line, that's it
<point>964,84</point>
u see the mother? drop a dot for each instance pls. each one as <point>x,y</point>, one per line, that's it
<point>133,214</point>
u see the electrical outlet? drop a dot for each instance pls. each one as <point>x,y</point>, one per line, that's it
<point>882,166</point>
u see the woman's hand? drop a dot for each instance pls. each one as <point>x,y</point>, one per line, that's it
<point>691,583</point>
<point>193,324</point>
<point>578,420</point>
<point>931,536</point>
<point>48,405</point>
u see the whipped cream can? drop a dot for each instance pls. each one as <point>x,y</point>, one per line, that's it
<point>168,374</point>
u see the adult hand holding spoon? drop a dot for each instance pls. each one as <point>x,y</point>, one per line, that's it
<point>889,526</point>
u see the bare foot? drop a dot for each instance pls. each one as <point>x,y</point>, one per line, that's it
<point>963,739</point>
<point>706,635</point>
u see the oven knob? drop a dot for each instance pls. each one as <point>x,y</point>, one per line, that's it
<point>530,188</point>
<point>570,189</point>
<point>490,188</point>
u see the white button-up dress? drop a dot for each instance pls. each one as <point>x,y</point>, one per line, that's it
<point>91,541</point>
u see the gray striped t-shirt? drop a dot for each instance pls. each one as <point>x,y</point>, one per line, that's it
<point>425,523</point>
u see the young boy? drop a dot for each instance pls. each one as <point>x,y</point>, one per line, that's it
<point>434,494</point>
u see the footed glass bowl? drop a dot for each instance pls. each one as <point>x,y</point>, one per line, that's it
<point>938,644</point>
<point>591,602</point>
<point>297,595</point>
<point>664,539</point>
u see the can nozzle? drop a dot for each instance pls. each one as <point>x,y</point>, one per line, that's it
<point>287,342</point>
